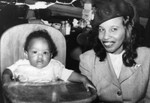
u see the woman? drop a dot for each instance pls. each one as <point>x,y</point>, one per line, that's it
<point>116,65</point>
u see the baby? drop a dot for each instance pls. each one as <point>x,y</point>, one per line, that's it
<point>39,65</point>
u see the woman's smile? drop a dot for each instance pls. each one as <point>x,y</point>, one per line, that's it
<point>108,44</point>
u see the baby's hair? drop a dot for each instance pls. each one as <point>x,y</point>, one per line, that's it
<point>42,34</point>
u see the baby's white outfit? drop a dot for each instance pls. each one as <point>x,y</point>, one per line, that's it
<point>25,72</point>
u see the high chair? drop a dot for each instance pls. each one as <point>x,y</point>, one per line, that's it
<point>12,49</point>
<point>13,39</point>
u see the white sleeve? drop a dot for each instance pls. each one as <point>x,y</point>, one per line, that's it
<point>13,67</point>
<point>61,72</point>
<point>66,74</point>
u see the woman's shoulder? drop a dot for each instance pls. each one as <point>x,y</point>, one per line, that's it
<point>143,50</point>
<point>88,54</point>
<point>143,53</point>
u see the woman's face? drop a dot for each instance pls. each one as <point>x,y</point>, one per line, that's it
<point>112,35</point>
<point>39,53</point>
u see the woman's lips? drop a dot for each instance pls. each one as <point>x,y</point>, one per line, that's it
<point>108,43</point>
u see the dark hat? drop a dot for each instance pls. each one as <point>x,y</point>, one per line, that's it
<point>105,10</point>
<point>108,9</point>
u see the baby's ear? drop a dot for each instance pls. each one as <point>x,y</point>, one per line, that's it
<point>51,55</point>
<point>25,55</point>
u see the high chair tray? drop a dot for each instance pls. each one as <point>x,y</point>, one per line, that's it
<point>55,92</point>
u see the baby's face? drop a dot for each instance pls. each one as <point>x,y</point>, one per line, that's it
<point>39,53</point>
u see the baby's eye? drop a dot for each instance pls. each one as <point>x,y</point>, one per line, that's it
<point>46,53</point>
<point>34,52</point>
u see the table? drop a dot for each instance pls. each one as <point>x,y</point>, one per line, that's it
<point>57,92</point>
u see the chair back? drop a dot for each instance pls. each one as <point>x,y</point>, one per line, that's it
<point>13,39</point>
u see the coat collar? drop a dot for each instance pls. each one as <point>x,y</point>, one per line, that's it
<point>127,72</point>
<point>106,69</point>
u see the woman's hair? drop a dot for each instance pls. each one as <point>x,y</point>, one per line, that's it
<point>129,45</point>
<point>41,34</point>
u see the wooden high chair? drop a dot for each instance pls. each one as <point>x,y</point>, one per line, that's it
<point>12,43</point>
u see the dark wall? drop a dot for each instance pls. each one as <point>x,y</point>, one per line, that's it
<point>143,7</point>
<point>1,98</point>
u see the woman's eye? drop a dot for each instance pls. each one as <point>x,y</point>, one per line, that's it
<point>101,29</point>
<point>114,29</point>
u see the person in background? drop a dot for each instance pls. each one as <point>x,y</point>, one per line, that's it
<point>117,65</point>
<point>40,66</point>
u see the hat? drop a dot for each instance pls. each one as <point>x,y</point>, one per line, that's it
<point>108,9</point>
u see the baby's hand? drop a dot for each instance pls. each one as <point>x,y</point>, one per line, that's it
<point>21,78</point>
<point>10,84</point>
<point>88,84</point>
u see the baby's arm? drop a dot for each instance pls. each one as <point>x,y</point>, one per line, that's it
<point>70,75</point>
<point>76,77</point>
<point>7,79</point>
<point>7,76</point>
